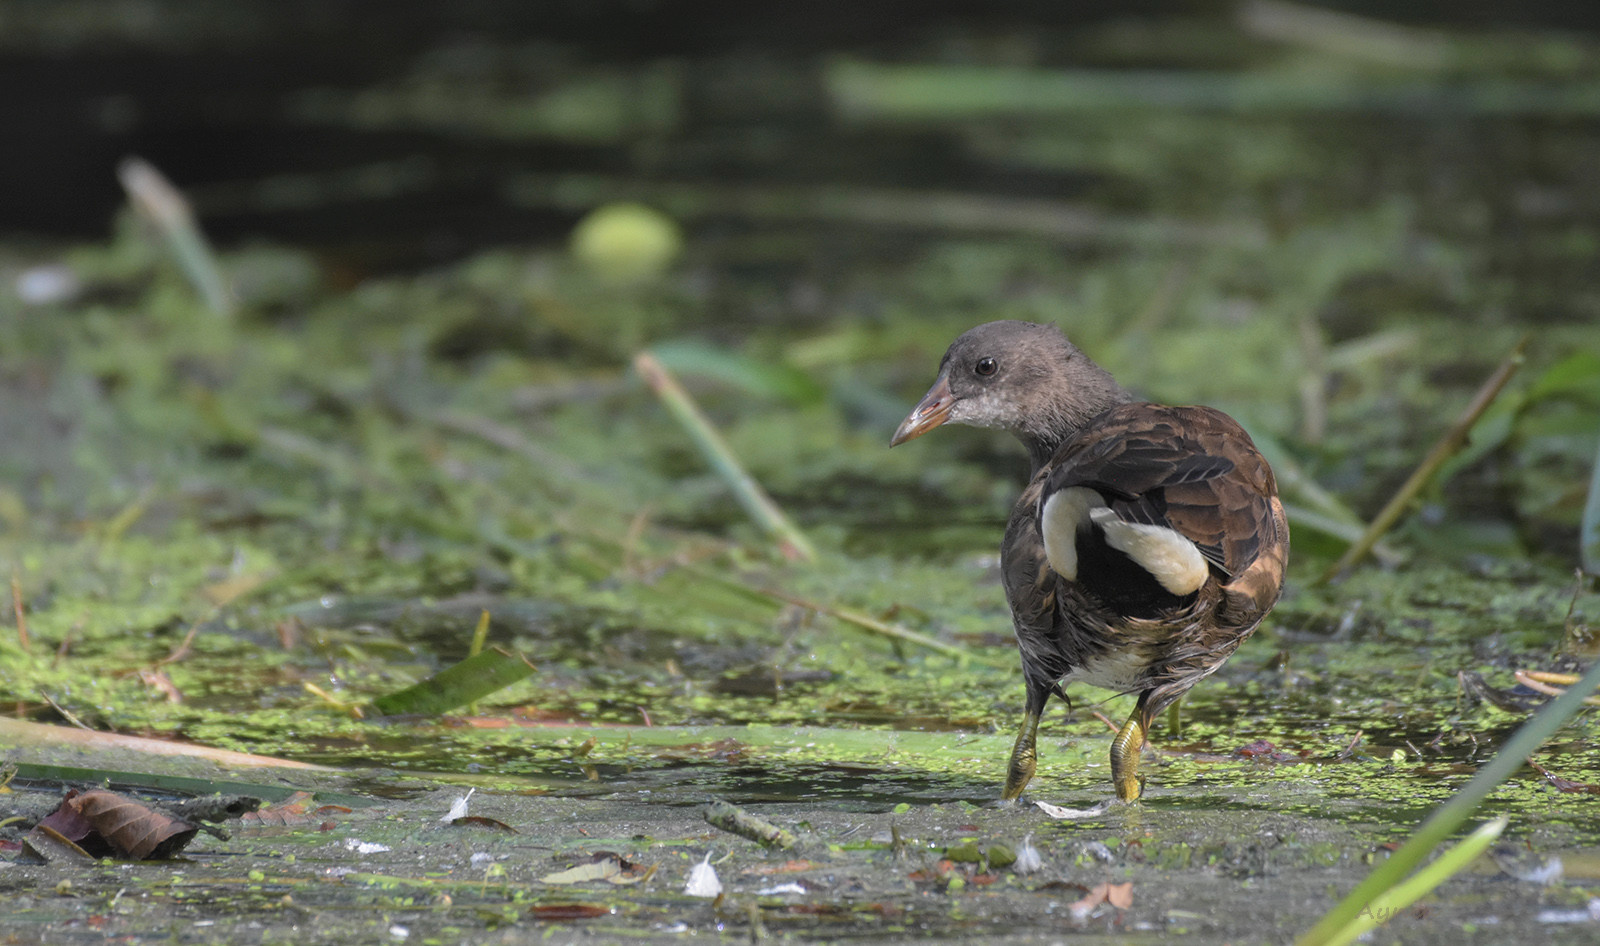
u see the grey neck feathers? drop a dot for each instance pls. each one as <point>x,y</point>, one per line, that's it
<point>1068,408</point>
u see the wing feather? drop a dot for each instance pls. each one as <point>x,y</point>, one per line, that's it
<point>1190,469</point>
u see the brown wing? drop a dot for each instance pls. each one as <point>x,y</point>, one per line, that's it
<point>1193,470</point>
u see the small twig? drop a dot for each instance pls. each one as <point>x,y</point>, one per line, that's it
<point>735,820</point>
<point>66,714</point>
<point>185,646</point>
<point>1535,680</point>
<point>870,623</point>
<point>20,609</point>
<point>751,496</point>
<point>1547,676</point>
<point>1350,747</point>
<point>1447,446</point>
<point>353,710</point>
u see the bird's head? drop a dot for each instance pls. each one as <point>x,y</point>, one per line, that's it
<point>1017,376</point>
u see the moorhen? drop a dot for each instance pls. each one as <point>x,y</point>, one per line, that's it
<point>1148,544</point>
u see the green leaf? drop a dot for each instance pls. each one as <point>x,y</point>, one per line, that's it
<point>1576,376</point>
<point>1385,905</point>
<point>457,685</point>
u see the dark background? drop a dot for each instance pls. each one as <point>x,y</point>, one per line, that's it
<point>205,91</point>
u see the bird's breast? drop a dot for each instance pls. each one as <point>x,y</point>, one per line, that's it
<point>1121,669</point>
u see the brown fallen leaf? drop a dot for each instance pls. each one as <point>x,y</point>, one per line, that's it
<point>479,821</point>
<point>103,822</point>
<point>1118,895</point>
<point>68,821</point>
<point>602,865</point>
<point>296,809</point>
<point>48,846</point>
<point>1261,749</point>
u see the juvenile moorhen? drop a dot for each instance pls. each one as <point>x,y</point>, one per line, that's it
<point>1148,544</point>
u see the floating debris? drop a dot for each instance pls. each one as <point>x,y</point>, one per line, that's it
<point>703,880</point>
<point>365,847</point>
<point>458,808</point>
<point>1070,814</point>
<point>1118,895</point>
<point>1590,914</point>
<point>1028,859</point>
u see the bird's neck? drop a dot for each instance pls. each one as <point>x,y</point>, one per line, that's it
<point>1040,450</point>
<point>1092,393</point>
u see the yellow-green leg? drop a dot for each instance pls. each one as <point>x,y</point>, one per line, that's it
<point>1125,751</point>
<point>1024,756</point>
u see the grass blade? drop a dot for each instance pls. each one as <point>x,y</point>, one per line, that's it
<point>1402,895</point>
<point>751,496</point>
<point>1448,816</point>
<point>160,202</point>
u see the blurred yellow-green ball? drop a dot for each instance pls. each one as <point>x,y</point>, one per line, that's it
<point>626,242</point>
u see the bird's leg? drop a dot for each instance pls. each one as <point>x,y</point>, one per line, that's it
<point>1024,754</point>
<point>1125,751</point>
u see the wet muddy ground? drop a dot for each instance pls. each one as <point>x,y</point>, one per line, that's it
<point>1247,859</point>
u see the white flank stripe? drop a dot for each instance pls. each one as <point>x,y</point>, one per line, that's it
<point>1063,513</point>
<point>1166,554</point>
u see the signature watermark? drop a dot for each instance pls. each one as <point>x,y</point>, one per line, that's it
<point>1385,914</point>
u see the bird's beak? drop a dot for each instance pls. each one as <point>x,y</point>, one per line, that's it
<point>930,412</point>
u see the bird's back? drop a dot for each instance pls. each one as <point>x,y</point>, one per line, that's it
<point>1144,551</point>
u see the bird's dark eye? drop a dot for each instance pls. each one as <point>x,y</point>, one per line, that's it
<point>986,366</point>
